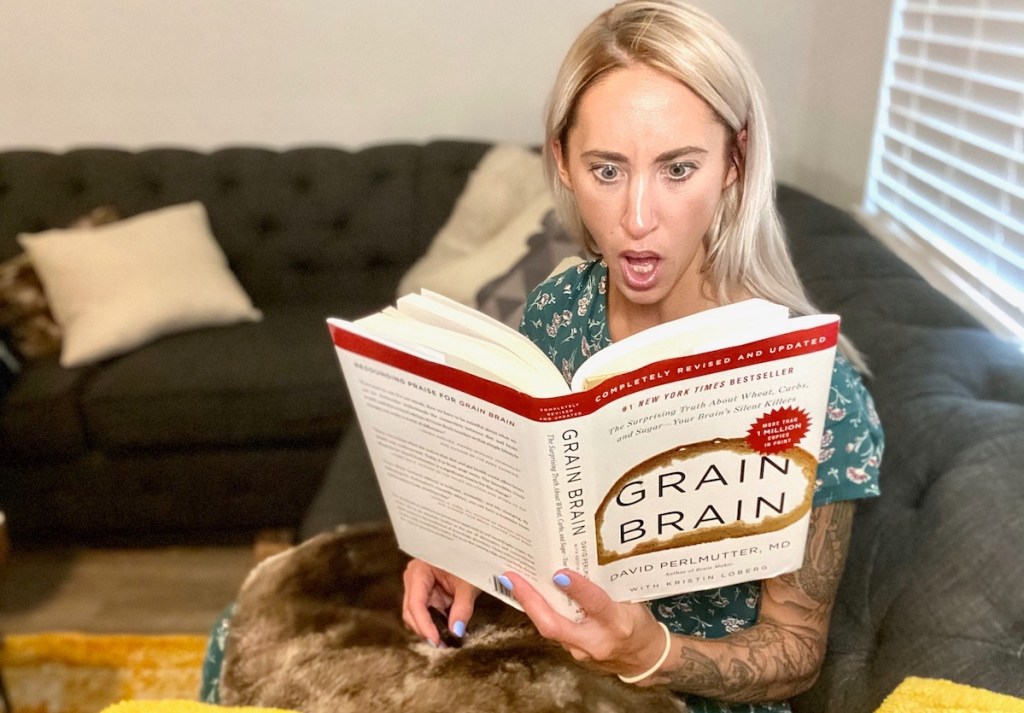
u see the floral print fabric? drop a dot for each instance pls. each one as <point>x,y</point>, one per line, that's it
<point>566,316</point>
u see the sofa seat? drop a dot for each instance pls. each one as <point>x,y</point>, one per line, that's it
<point>44,394</point>
<point>273,382</point>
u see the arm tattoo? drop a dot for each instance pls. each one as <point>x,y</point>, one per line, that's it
<point>781,654</point>
<point>827,540</point>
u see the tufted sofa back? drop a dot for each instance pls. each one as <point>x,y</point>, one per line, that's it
<point>295,224</point>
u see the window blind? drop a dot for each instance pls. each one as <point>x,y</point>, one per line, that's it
<point>947,167</point>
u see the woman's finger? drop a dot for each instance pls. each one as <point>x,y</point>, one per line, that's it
<point>461,611</point>
<point>419,581</point>
<point>588,596</point>
<point>550,624</point>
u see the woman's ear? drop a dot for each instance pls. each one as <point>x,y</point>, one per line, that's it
<point>563,171</point>
<point>738,158</point>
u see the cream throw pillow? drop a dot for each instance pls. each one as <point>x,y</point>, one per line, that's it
<point>120,286</point>
<point>501,205</point>
<point>461,277</point>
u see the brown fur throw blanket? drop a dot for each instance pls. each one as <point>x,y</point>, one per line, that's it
<point>318,629</point>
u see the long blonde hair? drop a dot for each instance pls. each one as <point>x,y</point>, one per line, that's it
<point>745,247</point>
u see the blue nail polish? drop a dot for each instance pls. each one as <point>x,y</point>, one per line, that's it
<point>459,628</point>
<point>562,580</point>
<point>505,582</point>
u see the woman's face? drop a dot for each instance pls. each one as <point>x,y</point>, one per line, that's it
<point>647,163</point>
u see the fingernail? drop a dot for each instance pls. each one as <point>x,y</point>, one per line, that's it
<point>562,580</point>
<point>459,628</point>
<point>505,582</point>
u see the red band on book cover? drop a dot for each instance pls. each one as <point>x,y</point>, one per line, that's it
<point>760,352</point>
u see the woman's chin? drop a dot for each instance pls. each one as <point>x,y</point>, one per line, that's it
<point>640,295</point>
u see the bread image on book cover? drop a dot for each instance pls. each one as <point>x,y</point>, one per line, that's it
<point>702,492</point>
<point>679,459</point>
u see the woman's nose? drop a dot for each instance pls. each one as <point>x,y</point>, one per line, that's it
<point>638,218</point>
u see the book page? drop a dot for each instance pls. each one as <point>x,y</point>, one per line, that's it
<point>468,353</point>
<point>465,481</point>
<point>445,311</point>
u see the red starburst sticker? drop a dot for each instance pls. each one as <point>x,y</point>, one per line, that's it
<point>778,430</point>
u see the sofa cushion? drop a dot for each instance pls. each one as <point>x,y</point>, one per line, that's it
<point>507,187</point>
<point>547,248</point>
<point>246,384</point>
<point>501,240</point>
<point>116,287</point>
<point>45,393</point>
<point>24,314</point>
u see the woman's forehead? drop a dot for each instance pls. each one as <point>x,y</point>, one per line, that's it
<point>642,105</point>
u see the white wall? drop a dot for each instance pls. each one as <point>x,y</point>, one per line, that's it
<point>209,73</point>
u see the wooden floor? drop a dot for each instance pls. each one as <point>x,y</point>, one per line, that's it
<point>173,590</point>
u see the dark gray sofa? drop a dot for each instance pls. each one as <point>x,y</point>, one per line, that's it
<point>227,430</point>
<point>233,427</point>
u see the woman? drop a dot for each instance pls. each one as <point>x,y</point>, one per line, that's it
<point>659,157</point>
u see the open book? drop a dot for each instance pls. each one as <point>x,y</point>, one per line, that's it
<point>681,458</point>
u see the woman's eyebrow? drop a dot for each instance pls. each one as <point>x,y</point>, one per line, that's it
<point>669,155</point>
<point>604,156</point>
<point>673,154</point>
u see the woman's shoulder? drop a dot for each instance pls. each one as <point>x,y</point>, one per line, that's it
<point>564,289</point>
<point>565,315</point>
<point>853,440</point>
<point>563,283</point>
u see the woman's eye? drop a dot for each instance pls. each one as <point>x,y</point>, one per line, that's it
<point>680,171</point>
<point>606,172</point>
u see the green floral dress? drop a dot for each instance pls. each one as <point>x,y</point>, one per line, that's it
<point>567,317</point>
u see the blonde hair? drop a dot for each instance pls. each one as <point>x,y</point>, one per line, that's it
<point>745,247</point>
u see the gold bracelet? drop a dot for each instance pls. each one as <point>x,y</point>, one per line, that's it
<point>661,660</point>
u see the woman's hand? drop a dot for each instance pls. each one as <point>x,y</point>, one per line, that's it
<point>775,659</point>
<point>428,586</point>
<point>620,638</point>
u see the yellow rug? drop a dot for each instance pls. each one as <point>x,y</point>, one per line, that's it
<point>183,707</point>
<point>84,673</point>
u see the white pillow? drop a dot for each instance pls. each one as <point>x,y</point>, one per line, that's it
<point>122,285</point>
<point>460,277</point>
<point>507,181</point>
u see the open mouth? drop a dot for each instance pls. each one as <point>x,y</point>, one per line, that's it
<point>639,270</point>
